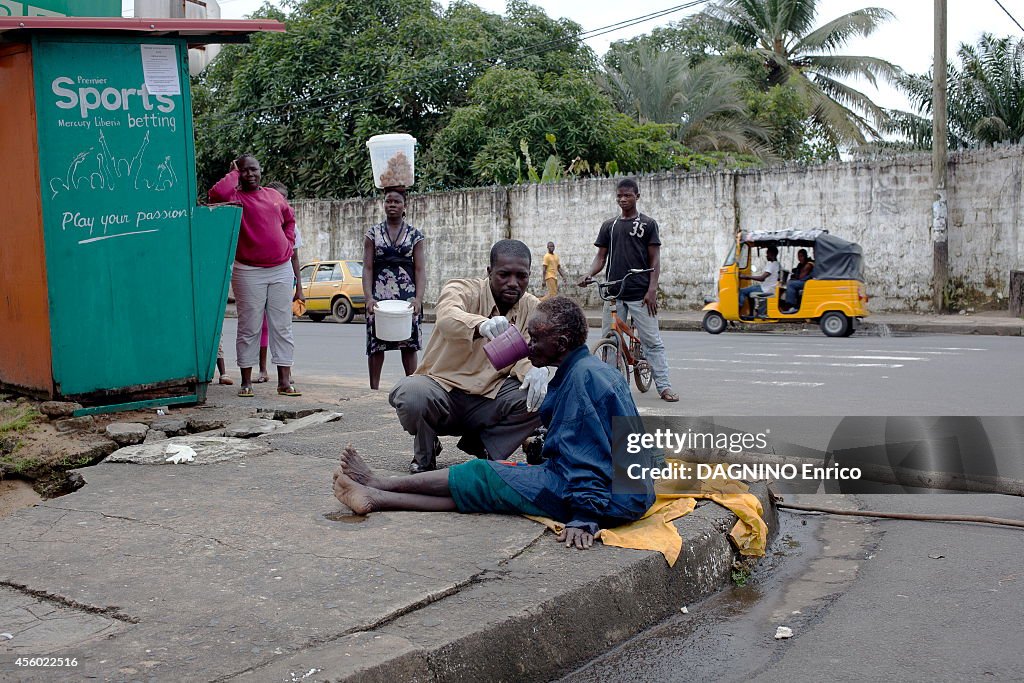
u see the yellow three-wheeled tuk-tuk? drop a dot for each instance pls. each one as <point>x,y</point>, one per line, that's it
<point>833,296</point>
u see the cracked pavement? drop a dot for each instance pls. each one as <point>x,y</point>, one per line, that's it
<point>239,569</point>
<point>230,562</point>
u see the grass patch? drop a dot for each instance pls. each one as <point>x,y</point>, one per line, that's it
<point>73,463</point>
<point>17,418</point>
<point>742,571</point>
<point>20,466</point>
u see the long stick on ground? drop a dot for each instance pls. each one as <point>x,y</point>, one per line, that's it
<point>905,515</point>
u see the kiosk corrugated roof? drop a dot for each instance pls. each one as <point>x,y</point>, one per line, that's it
<point>195,31</point>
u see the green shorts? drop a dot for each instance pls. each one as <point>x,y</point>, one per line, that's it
<point>476,487</point>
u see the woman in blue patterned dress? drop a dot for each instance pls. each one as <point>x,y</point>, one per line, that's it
<point>394,267</point>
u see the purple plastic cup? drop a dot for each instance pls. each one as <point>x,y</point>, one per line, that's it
<point>507,348</point>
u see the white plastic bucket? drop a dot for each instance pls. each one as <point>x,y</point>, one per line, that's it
<point>392,320</point>
<point>393,159</point>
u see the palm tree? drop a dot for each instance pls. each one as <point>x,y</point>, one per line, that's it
<point>782,34</point>
<point>985,95</point>
<point>703,102</point>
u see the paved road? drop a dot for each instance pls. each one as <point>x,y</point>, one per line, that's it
<point>767,374</point>
<point>876,600</point>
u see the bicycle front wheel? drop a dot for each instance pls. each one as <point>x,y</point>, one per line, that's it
<point>608,351</point>
<point>642,373</point>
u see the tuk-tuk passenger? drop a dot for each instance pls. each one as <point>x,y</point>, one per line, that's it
<point>795,286</point>
<point>767,280</point>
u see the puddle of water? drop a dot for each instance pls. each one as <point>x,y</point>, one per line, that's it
<point>729,635</point>
<point>346,517</point>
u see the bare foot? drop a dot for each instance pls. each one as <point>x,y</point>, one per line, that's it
<point>353,465</point>
<point>354,496</point>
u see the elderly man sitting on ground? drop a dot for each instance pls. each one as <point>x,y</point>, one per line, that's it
<point>574,485</point>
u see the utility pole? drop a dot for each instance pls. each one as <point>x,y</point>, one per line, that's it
<point>940,210</point>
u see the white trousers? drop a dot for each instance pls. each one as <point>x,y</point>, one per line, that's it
<point>259,290</point>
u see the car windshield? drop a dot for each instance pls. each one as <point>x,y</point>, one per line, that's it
<point>356,268</point>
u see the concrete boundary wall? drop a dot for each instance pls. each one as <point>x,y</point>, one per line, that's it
<point>882,203</point>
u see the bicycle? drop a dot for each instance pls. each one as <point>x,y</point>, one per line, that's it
<point>621,348</point>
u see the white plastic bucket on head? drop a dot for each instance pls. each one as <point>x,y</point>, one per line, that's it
<point>392,320</point>
<point>393,159</point>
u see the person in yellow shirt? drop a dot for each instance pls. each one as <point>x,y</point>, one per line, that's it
<point>552,269</point>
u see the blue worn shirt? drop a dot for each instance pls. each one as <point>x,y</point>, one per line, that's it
<point>574,485</point>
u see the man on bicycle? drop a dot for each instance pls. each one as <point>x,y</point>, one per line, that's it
<point>626,242</point>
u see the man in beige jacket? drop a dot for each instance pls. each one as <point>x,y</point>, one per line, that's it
<point>455,390</point>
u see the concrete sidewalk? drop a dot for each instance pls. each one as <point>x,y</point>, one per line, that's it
<point>248,569</point>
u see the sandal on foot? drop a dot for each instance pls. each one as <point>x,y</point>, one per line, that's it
<point>669,396</point>
<point>261,379</point>
<point>246,392</point>
<point>289,390</point>
<point>225,380</point>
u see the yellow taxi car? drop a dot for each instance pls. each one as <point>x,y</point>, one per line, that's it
<point>333,287</point>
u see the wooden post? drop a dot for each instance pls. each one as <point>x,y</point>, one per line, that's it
<point>940,243</point>
<point>1017,293</point>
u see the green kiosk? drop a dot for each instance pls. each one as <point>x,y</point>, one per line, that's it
<point>112,278</point>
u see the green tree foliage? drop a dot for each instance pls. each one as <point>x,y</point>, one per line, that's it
<point>481,143</point>
<point>652,147</point>
<point>691,37</point>
<point>704,103</point>
<point>784,112</point>
<point>516,118</point>
<point>778,110</point>
<point>794,52</point>
<point>306,101</point>
<point>985,96</point>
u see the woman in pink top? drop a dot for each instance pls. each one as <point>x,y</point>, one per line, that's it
<point>263,276</point>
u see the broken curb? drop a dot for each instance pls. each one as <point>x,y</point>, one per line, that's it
<point>516,622</point>
<point>224,594</point>
<point>312,420</point>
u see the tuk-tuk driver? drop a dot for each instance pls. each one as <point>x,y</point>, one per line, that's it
<point>767,280</point>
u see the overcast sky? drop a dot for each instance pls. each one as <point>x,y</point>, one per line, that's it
<point>905,41</point>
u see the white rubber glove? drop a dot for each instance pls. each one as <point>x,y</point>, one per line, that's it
<point>179,453</point>
<point>492,327</point>
<point>536,386</point>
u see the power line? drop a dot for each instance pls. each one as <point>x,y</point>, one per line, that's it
<point>507,58</point>
<point>1014,19</point>
<point>528,51</point>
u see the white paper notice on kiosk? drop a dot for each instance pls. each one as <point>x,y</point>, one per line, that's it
<point>161,70</point>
